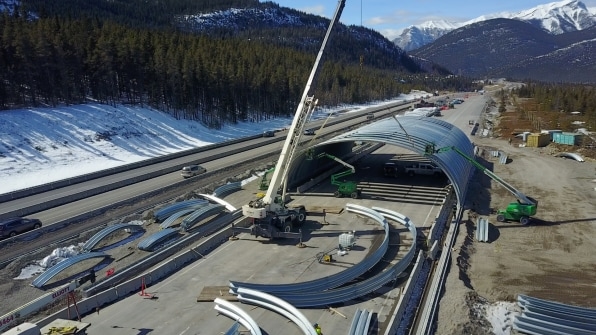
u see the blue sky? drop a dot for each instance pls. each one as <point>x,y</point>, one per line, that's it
<point>390,16</point>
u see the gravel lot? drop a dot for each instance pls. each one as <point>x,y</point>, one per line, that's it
<point>550,259</point>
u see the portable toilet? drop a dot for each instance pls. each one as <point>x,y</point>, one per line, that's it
<point>538,140</point>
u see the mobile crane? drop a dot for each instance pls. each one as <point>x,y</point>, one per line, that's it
<point>270,216</point>
<point>521,211</point>
<point>344,188</point>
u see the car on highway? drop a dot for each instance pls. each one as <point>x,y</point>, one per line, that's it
<point>268,133</point>
<point>17,225</point>
<point>192,170</point>
<point>309,132</point>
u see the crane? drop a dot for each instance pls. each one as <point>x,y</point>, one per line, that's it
<point>344,188</point>
<point>521,211</point>
<point>270,215</point>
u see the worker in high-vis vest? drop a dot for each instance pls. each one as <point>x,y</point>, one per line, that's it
<point>318,329</point>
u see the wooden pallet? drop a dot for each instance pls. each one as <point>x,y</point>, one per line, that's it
<point>209,293</point>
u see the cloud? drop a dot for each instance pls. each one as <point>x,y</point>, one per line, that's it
<point>400,18</point>
<point>316,10</point>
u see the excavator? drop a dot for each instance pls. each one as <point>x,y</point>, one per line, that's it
<point>521,210</point>
<point>344,188</point>
<point>270,216</point>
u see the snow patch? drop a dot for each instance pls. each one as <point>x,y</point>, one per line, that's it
<point>57,256</point>
<point>500,315</point>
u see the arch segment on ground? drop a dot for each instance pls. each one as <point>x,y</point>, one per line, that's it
<point>414,133</point>
<point>99,236</point>
<point>50,273</point>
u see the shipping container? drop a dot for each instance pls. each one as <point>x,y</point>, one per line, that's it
<point>551,132</point>
<point>538,140</point>
<point>567,138</point>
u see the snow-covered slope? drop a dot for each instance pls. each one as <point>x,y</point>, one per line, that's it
<point>555,18</point>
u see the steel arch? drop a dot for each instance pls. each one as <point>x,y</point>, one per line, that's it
<point>414,133</point>
<point>56,269</point>
<point>95,239</point>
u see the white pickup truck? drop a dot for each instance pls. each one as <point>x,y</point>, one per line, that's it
<point>424,169</point>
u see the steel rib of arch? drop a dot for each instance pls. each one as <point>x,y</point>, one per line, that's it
<point>420,131</point>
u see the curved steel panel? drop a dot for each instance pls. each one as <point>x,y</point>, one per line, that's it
<point>95,239</point>
<point>167,222</point>
<point>56,269</point>
<point>150,242</point>
<point>200,214</point>
<point>165,212</point>
<point>571,155</point>
<point>414,133</point>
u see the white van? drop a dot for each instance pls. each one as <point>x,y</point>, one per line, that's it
<point>192,170</point>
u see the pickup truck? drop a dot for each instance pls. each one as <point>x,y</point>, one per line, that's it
<point>423,169</point>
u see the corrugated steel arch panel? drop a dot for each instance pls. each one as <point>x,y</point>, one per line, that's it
<point>167,222</point>
<point>149,243</point>
<point>200,214</point>
<point>163,213</point>
<point>56,269</point>
<point>95,239</point>
<point>420,131</point>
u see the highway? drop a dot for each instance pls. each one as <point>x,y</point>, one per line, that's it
<point>88,209</point>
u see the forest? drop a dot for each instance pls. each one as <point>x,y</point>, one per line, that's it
<point>139,57</point>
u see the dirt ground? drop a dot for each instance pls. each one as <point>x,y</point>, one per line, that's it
<point>552,258</point>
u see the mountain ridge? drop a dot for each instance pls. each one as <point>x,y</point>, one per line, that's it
<point>555,17</point>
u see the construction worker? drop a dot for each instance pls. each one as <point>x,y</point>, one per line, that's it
<point>318,329</point>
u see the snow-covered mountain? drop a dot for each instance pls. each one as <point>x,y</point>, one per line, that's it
<point>555,18</point>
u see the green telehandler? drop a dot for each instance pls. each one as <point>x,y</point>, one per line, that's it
<point>521,210</point>
<point>344,188</point>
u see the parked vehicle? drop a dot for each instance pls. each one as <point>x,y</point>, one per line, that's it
<point>192,170</point>
<point>424,169</point>
<point>17,225</point>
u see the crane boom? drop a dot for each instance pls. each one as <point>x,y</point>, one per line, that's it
<point>523,199</point>
<point>307,104</point>
<point>271,207</point>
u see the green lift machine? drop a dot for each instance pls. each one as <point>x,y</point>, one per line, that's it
<point>344,188</point>
<point>521,210</point>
